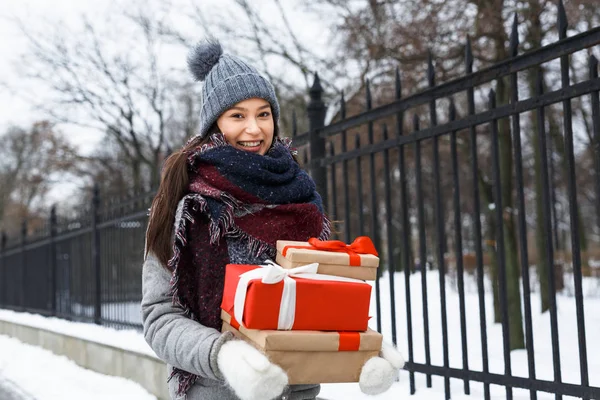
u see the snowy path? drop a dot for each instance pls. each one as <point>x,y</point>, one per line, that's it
<point>10,391</point>
<point>46,376</point>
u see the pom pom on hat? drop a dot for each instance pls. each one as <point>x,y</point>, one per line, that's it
<point>203,57</point>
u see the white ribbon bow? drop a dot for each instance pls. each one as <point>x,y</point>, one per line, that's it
<point>272,273</point>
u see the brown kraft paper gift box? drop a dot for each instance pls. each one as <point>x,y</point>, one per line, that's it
<point>310,357</point>
<point>330,263</point>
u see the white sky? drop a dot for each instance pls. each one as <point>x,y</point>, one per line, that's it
<point>14,110</point>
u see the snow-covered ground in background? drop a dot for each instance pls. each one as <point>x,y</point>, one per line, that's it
<point>567,326</point>
<point>123,339</point>
<point>63,373</point>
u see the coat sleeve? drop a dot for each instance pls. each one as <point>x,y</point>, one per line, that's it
<point>176,339</point>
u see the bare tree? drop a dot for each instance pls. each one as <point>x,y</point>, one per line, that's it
<point>109,77</point>
<point>376,37</point>
<point>31,162</point>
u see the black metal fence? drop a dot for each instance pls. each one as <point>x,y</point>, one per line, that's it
<point>411,192</point>
<point>428,195</point>
<point>85,269</point>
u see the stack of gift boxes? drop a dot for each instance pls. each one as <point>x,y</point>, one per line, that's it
<point>309,311</point>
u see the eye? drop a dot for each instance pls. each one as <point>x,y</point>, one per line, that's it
<point>236,115</point>
<point>265,114</point>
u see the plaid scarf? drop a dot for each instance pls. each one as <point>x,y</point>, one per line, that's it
<point>234,194</point>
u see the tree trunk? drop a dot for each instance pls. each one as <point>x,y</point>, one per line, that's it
<point>542,264</point>
<point>490,247</point>
<point>512,269</point>
<point>490,22</point>
<point>489,241</point>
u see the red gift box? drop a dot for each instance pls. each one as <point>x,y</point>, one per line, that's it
<point>322,302</point>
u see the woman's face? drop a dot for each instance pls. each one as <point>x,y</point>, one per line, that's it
<point>248,125</point>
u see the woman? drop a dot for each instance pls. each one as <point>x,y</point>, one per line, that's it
<point>226,197</point>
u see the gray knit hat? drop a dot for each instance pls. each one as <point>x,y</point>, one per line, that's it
<point>227,81</point>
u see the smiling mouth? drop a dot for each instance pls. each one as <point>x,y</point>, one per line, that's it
<point>250,144</point>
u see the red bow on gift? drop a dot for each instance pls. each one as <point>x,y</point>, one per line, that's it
<point>361,245</point>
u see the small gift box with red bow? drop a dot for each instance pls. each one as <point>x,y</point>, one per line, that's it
<point>357,260</point>
<point>271,297</point>
<point>312,356</point>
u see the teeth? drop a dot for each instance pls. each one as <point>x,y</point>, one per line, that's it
<point>249,144</point>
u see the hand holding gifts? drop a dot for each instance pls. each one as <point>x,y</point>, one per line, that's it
<point>312,356</point>
<point>357,260</point>
<point>313,326</point>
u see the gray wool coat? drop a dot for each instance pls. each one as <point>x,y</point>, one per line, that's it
<point>188,345</point>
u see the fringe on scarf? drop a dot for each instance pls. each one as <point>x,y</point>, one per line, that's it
<point>190,203</point>
<point>185,380</point>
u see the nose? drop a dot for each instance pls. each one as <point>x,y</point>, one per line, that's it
<point>252,126</point>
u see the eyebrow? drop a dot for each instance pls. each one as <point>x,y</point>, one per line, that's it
<point>245,109</point>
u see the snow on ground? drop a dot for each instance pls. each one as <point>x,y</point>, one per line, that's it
<point>22,373</point>
<point>42,375</point>
<point>567,324</point>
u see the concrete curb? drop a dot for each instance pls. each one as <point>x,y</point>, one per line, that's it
<point>148,371</point>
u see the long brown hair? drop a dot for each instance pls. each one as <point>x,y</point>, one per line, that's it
<point>174,183</point>
<point>173,186</point>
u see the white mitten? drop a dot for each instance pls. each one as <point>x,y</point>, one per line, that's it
<point>376,376</point>
<point>390,353</point>
<point>249,372</point>
<point>378,373</point>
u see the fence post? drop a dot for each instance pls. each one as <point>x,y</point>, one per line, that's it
<point>3,286</point>
<point>23,265</point>
<point>316,119</point>
<point>96,255</point>
<point>53,272</point>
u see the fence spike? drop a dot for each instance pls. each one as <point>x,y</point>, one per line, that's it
<point>540,81</point>
<point>492,98</point>
<point>357,141</point>
<point>316,88</point>
<point>468,55</point>
<point>96,194</point>
<point>53,218</point>
<point>452,110</point>
<point>343,106</point>
<point>385,131</point>
<point>398,84</point>
<point>514,37</point>
<point>305,159</point>
<point>593,65</point>
<point>416,122</point>
<point>294,123</point>
<point>368,95</point>
<point>24,228</point>
<point>563,22</point>
<point>430,69</point>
